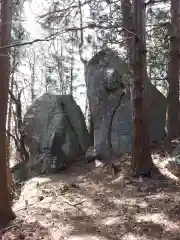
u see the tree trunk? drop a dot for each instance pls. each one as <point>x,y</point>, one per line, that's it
<point>10,182</point>
<point>6,213</point>
<point>33,77</point>
<point>91,130</point>
<point>71,73</point>
<point>9,117</point>
<point>141,160</point>
<point>173,72</point>
<point>128,26</point>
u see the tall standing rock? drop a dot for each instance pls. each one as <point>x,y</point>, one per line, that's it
<point>106,74</point>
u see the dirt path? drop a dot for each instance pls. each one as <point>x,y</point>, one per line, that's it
<point>86,203</point>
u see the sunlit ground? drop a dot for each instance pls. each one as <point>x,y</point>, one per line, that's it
<point>98,207</point>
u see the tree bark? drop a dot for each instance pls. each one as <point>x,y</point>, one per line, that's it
<point>141,159</point>
<point>173,72</point>
<point>20,144</point>
<point>9,116</point>
<point>6,213</point>
<point>71,72</point>
<point>128,26</point>
<point>10,182</point>
<point>91,129</point>
<point>33,77</point>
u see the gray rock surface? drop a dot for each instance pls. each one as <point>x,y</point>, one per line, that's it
<point>91,154</point>
<point>106,74</point>
<point>56,132</point>
<point>174,163</point>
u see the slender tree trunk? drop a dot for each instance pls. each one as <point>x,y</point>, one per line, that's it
<point>9,116</point>
<point>10,182</point>
<point>72,70</point>
<point>128,26</point>
<point>91,129</point>
<point>22,149</point>
<point>33,77</point>
<point>141,161</point>
<point>61,69</point>
<point>173,72</point>
<point>8,138</point>
<point>6,213</point>
<point>134,33</point>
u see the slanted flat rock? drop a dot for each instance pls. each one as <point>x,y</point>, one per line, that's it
<point>56,132</point>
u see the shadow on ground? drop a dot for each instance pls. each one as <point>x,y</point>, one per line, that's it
<point>84,202</point>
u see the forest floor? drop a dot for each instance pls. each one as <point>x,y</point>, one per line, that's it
<point>85,202</point>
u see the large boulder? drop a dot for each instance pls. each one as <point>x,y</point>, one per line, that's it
<point>55,133</point>
<point>106,78</point>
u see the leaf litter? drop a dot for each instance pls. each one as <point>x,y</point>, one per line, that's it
<point>85,202</point>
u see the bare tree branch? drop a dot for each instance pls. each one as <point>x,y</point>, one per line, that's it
<point>52,36</point>
<point>12,96</point>
<point>155,1</point>
<point>94,25</point>
<point>71,6</point>
<point>14,138</point>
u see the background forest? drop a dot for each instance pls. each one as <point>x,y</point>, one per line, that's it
<point>55,40</point>
<point>54,65</point>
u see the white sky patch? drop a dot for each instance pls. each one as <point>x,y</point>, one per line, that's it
<point>32,11</point>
